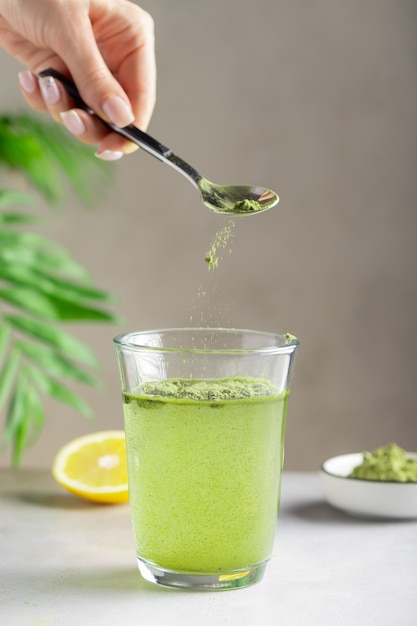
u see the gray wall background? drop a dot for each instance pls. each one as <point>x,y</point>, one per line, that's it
<point>317,100</point>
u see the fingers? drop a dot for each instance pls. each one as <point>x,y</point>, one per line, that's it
<point>108,50</point>
<point>138,74</point>
<point>30,89</point>
<point>83,126</point>
<point>41,97</point>
<point>47,94</point>
<point>96,84</point>
<point>112,62</point>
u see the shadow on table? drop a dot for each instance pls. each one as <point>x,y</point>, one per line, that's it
<point>85,581</point>
<point>117,580</point>
<point>319,511</point>
<point>315,511</point>
<point>51,500</point>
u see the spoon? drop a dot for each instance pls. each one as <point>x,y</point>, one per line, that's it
<point>234,199</point>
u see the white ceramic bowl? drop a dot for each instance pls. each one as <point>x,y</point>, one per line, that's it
<point>366,498</point>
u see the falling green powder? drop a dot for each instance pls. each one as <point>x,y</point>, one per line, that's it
<point>221,241</point>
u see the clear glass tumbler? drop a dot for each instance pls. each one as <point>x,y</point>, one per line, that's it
<point>204,413</point>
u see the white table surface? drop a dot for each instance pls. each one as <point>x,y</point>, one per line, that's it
<point>66,562</point>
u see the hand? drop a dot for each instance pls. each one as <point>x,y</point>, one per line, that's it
<point>106,46</point>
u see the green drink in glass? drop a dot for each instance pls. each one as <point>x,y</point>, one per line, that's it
<point>205,451</point>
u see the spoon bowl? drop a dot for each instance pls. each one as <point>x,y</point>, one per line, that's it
<point>229,199</point>
<point>237,199</point>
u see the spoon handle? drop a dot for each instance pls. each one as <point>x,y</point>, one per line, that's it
<point>131,132</point>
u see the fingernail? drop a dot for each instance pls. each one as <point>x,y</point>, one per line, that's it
<point>49,89</point>
<point>130,147</point>
<point>27,81</point>
<point>109,155</point>
<point>73,122</point>
<point>118,111</point>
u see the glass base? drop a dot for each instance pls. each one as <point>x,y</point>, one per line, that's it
<point>199,581</point>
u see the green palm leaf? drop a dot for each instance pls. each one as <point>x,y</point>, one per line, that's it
<point>57,337</point>
<point>47,283</point>
<point>25,418</point>
<point>41,284</point>
<point>8,198</point>
<point>53,388</point>
<point>39,253</point>
<point>52,307</point>
<point>47,155</point>
<point>17,412</point>
<point>4,340</point>
<point>7,376</point>
<point>54,363</point>
<point>37,414</point>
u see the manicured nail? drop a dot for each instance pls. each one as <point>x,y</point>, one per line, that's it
<point>109,155</point>
<point>73,122</point>
<point>27,81</point>
<point>49,89</point>
<point>118,111</point>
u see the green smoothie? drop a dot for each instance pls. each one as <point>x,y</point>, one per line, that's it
<point>204,461</point>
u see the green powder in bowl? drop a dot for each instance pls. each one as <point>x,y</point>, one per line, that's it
<point>387,463</point>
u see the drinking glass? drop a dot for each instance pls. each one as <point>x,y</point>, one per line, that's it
<point>205,412</point>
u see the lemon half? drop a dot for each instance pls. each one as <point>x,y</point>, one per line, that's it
<point>94,467</point>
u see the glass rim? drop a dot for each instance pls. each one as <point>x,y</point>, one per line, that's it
<point>289,341</point>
